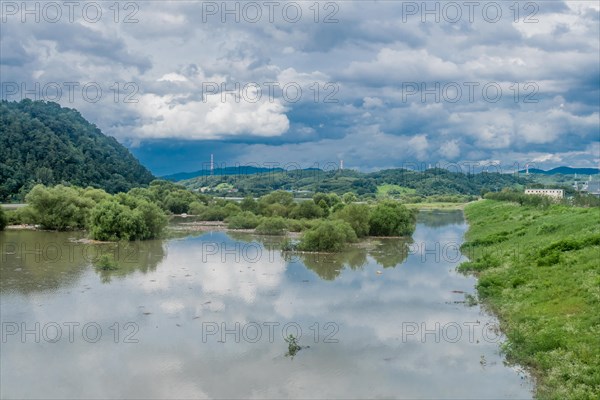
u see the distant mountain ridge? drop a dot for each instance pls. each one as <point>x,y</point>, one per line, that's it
<point>564,171</point>
<point>42,142</point>
<point>239,170</point>
<point>227,171</point>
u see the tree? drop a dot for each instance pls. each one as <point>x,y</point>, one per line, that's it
<point>60,207</point>
<point>127,218</point>
<point>272,226</point>
<point>249,204</point>
<point>243,220</point>
<point>324,206</point>
<point>280,197</point>
<point>307,209</point>
<point>111,220</point>
<point>3,219</point>
<point>349,197</point>
<point>390,218</point>
<point>178,201</point>
<point>327,236</point>
<point>357,215</point>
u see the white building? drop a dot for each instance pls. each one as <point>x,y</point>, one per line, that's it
<point>554,193</point>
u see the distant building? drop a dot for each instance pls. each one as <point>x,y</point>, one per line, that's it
<point>554,193</point>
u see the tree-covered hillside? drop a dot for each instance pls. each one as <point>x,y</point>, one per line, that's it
<point>42,142</point>
<point>421,183</point>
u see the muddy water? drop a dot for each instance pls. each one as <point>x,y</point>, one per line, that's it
<point>204,316</point>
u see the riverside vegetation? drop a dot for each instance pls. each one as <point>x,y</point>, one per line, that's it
<point>328,221</point>
<point>539,271</point>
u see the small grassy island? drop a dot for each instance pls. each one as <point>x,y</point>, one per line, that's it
<point>538,265</point>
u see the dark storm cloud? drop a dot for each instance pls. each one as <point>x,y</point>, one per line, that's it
<point>370,52</point>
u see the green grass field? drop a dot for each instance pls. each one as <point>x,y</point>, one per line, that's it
<point>539,271</point>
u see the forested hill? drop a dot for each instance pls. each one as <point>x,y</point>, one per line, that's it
<point>392,181</point>
<point>42,142</point>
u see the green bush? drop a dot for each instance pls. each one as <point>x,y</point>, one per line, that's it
<point>357,215</point>
<point>349,198</point>
<point>243,220</point>
<point>278,197</point>
<point>323,204</point>
<point>112,220</point>
<point>307,209</point>
<point>60,207</point>
<point>520,198</point>
<point>249,204</point>
<point>390,218</point>
<point>23,215</point>
<point>331,236</point>
<point>196,208</point>
<point>178,201</point>
<point>232,209</point>
<point>294,225</point>
<point>275,210</point>
<point>3,219</point>
<point>272,226</point>
<point>211,213</point>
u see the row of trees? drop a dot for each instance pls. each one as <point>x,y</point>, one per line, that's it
<point>107,217</point>
<point>328,220</point>
<point>435,181</point>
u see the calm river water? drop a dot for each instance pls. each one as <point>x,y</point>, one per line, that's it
<point>204,316</point>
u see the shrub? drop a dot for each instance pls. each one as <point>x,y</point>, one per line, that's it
<point>272,226</point>
<point>113,220</point>
<point>60,207</point>
<point>196,208</point>
<point>294,225</point>
<point>278,197</point>
<point>520,198</point>
<point>323,204</point>
<point>249,204</point>
<point>275,210</point>
<point>307,209</point>
<point>23,215</point>
<point>330,199</point>
<point>390,218</point>
<point>357,215</point>
<point>178,201</point>
<point>327,236</point>
<point>213,213</point>
<point>243,220</point>
<point>3,219</point>
<point>349,198</point>
<point>232,209</point>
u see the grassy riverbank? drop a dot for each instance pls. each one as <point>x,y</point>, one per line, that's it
<point>539,271</point>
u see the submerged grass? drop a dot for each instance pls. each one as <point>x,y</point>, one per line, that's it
<point>539,270</point>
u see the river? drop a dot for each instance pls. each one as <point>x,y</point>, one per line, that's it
<point>204,316</point>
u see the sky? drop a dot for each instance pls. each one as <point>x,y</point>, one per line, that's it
<point>377,84</point>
